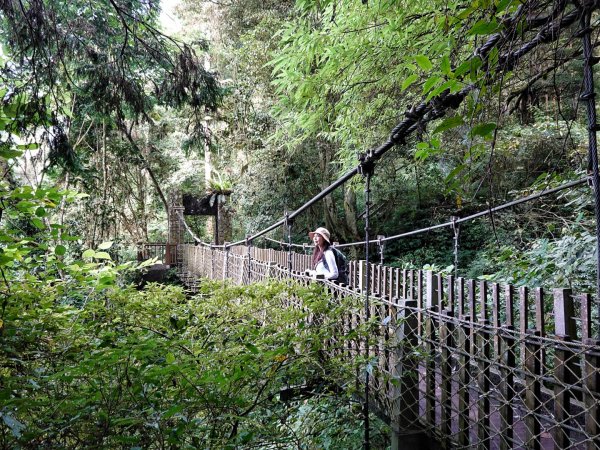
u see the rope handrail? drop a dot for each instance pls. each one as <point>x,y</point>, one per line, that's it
<point>458,220</point>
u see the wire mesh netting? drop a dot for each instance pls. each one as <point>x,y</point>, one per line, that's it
<point>474,364</point>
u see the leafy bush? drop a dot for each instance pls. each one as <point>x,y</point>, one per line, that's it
<point>155,369</point>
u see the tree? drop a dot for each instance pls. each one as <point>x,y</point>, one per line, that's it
<point>104,67</point>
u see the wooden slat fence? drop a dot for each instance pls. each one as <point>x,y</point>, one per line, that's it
<point>499,367</point>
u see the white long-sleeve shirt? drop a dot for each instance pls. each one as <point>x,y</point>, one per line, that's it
<point>332,273</point>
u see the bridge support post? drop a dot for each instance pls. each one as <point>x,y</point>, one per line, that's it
<point>405,380</point>
<point>226,261</point>
<point>173,252</point>
<point>362,275</point>
<point>431,334</point>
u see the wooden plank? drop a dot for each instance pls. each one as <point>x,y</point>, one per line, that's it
<point>533,390</point>
<point>430,391</point>
<point>406,368</point>
<point>586,316</point>
<point>523,318</point>
<point>446,328</point>
<point>391,290</point>
<point>420,300</point>
<point>430,347</point>
<point>464,379</point>
<point>461,297</point>
<point>362,275</point>
<point>385,292</point>
<point>523,309</point>
<point>496,319</point>
<point>472,301</point>
<point>440,292</point>
<point>451,294</point>
<point>564,329</point>
<point>507,390</point>
<point>483,375</point>
<point>591,393</point>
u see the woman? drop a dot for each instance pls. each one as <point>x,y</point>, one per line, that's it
<point>323,257</point>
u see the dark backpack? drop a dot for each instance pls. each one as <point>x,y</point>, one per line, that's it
<point>342,265</point>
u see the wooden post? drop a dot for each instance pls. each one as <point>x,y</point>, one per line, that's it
<point>591,375</point>
<point>420,307</point>
<point>451,294</point>
<point>362,275</point>
<point>483,376</point>
<point>591,393</point>
<point>405,395</point>
<point>496,320</point>
<point>447,345</point>
<point>430,335</point>
<point>533,390</point>
<point>464,374</point>
<point>523,318</point>
<point>565,330</point>
<point>507,390</point>
<point>379,286</point>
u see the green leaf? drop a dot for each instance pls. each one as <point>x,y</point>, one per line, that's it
<point>423,62</point>
<point>170,358</point>
<point>454,172</point>
<point>172,410</point>
<point>483,27</point>
<point>449,123</point>
<point>68,237</point>
<point>102,255</point>
<point>410,80</point>
<point>430,83</point>
<point>27,146</point>
<point>470,65</point>
<point>502,4</point>
<point>252,348</point>
<point>105,245</point>
<point>445,65</point>
<point>89,253</point>
<point>483,129</point>
<point>40,212</point>
<point>60,250</point>
<point>38,223</point>
<point>8,153</point>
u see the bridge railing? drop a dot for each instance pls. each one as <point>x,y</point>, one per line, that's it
<point>167,253</point>
<point>472,363</point>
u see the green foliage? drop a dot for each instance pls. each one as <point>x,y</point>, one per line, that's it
<point>117,55</point>
<point>553,255</point>
<point>88,361</point>
<point>155,368</point>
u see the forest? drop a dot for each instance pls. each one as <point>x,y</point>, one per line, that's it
<point>113,109</point>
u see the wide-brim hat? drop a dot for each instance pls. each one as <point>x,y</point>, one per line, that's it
<point>321,231</point>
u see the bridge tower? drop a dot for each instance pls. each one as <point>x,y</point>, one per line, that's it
<point>176,230</point>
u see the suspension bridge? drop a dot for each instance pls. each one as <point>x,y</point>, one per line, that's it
<point>506,367</point>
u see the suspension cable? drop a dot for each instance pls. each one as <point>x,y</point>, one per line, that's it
<point>588,96</point>
<point>366,170</point>
<point>436,107</point>
<point>455,222</point>
<point>289,223</point>
<point>485,212</point>
<point>456,230</point>
<point>381,245</point>
<point>249,246</point>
